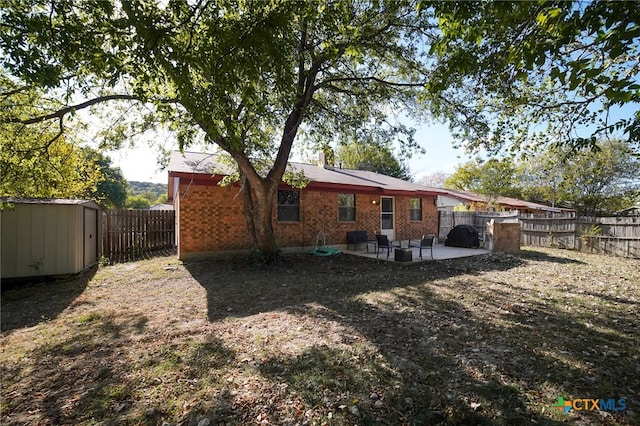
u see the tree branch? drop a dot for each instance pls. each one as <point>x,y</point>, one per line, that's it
<point>367,79</point>
<point>64,111</point>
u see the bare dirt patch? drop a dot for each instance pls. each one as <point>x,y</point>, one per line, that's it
<point>494,339</point>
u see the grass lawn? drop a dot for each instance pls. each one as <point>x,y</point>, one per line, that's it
<point>494,339</point>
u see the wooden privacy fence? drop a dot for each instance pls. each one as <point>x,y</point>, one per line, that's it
<point>617,236</point>
<point>548,230</point>
<point>132,234</point>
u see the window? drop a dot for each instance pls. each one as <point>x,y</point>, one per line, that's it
<point>415,208</point>
<point>288,206</point>
<point>346,207</point>
<point>386,213</point>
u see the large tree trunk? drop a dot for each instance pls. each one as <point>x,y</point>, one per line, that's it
<point>259,199</point>
<point>259,193</point>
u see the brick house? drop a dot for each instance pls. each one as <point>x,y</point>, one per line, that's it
<point>210,219</point>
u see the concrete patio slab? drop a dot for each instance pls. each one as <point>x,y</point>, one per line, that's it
<point>440,252</point>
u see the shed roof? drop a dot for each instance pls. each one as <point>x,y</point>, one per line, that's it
<point>202,163</point>
<point>58,201</point>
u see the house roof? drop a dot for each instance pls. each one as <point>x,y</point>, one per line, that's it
<point>191,163</point>
<point>631,209</point>
<point>196,163</point>
<point>505,201</point>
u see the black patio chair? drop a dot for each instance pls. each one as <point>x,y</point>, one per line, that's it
<point>383,242</point>
<point>426,243</point>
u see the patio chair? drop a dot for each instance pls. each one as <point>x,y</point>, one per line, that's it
<point>426,243</point>
<point>383,242</point>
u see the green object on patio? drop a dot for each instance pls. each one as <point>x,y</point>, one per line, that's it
<point>323,250</point>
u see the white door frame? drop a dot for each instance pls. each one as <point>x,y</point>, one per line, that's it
<point>389,232</point>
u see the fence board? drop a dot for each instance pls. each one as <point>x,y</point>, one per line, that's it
<point>618,236</point>
<point>548,230</point>
<point>131,234</point>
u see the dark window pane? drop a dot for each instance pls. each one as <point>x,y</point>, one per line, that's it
<point>288,213</point>
<point>346,214</point>
<point>387,205</point>
<point>288,206</point>
<point>387,221</point>
<point>346,207</point>
<point>346,200</point>
<point>288,198</point>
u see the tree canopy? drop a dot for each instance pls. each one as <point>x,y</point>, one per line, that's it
<point>38,160</point>
<point>249,76</point>
<point>523,74</point>
<point>374,158</point>
<point>253,77</point>
<point>602,181</point>
<point>492,178</point>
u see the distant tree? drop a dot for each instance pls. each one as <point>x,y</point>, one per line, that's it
<point>162,199</point>
<point>603,180</point>
<point>436,179</point>
<point>137,202</point>
<point>541,177</point>
<point>149,190</point>
<point>111,188</point>
<point>492,178</point>
<point>374,158</point>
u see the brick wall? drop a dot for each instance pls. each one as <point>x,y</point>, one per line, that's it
<point>210,218</point>
<point>407,229</point>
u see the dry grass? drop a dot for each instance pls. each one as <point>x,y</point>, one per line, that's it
<point>335,340</point>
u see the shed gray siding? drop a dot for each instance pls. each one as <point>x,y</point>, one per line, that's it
<point>46,237</point>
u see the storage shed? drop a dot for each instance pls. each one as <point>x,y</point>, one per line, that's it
<point>45,237</point>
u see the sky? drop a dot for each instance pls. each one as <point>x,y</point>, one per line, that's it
<point>140,164</point>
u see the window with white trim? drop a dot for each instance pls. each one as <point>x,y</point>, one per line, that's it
<point>415,208</point>
<point>346,207</point>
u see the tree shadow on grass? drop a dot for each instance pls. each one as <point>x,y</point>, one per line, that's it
<point>88,377</point>
<point>545,257</point>
<point>27,304</point>
<point>475,356</point>
<point>73,377</point>
<point>239,288</point>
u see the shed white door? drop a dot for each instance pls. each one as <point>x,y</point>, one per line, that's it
<point>387,217</point>
<point>90,237</point>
